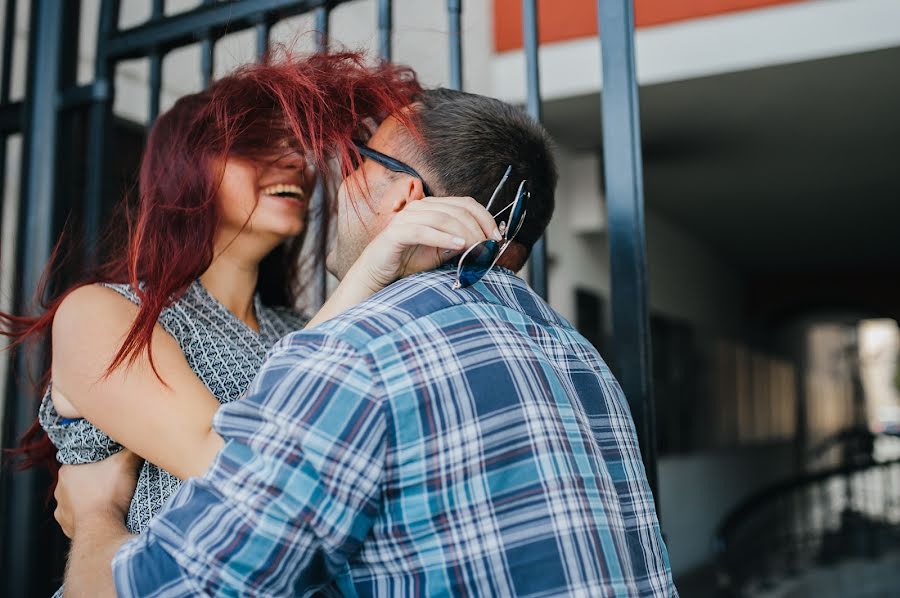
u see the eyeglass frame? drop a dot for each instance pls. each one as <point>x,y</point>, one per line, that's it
<point>507,239</point>
<point>392,164</point>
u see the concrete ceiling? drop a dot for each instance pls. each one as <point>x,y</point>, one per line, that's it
<point>791,168</point>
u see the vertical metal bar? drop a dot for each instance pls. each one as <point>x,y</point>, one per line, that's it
<point>206,55</point>
<point>263,31</point>
<point>321,212</point>
<point>454,15</point>
<point>323,18</point>
<point>99,132</point>
<point>69,142</point>
<point>537,264</point>
<point>36,225</point>
<point>206,61</point>
<point>530,37</point>
<point>385,28</point>
<point>625,206</point>
<point>9,32</point>
<point>155,84</point>
<point>155,79</point>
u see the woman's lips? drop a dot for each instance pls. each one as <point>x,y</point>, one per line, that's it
<point>285,190</point>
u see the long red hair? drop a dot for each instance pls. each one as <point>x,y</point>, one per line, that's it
<point>318,104</point>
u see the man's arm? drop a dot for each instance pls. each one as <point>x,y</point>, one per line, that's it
<point>291,496</point>
<point>91,504</point>
<point>89,570</point>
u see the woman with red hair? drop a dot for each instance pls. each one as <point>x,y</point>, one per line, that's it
<point>180,319</point>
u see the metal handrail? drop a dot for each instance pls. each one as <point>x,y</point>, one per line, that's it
<point>793,524</point>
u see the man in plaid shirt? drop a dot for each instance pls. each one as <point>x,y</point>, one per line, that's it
<point>430,441</point>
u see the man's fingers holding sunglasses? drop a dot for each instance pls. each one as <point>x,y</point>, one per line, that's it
<point>427,236</point>
<point>453,218</point>
<point>463,231</point>
<point>459,206</point>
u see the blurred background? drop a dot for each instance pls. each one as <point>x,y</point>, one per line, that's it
<point>770,138</point>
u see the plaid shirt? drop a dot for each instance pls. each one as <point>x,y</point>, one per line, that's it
<point>426,442</point>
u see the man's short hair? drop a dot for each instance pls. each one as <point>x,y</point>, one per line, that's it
<point>469,140</point>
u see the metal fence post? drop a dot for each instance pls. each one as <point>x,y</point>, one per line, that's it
<point>155,78</point>
<point>454,16</point>
<point>9,33</point>
<point>37,218</point>
<point>537,264</point>
<point>100,125</point>
<point>207,50</point>
<point>320,213</point>
<point>385,28</point>
<point>623,172</point>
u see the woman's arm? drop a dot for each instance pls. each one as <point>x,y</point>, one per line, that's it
<point>425,234</point>
<point>167,422</point>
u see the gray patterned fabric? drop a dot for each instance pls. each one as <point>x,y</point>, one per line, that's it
<point>222,350</point>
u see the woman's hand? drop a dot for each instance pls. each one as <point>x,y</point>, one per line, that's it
<point>421,237</point>
<point>424,235</point>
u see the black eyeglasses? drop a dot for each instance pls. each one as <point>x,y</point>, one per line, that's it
<point>481,257</point>
<point>391,164</point>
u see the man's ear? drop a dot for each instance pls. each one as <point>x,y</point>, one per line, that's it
<point>412,190</point>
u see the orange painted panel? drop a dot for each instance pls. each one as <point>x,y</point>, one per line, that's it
<point>557,20</point>
<point>560,20</point>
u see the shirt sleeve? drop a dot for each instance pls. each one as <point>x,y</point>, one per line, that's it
<point>290,497</point>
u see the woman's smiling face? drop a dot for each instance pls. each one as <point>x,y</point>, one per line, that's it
<point>268,198</point>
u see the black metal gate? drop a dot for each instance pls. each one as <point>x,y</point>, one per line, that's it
<point>68,133</point>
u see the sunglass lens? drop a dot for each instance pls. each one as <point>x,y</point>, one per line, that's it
<point>477,262</point>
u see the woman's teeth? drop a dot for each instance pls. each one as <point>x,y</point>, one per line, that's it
<point>292,191</point>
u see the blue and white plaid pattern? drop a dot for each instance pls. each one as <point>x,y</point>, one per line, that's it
<point>427,442</point>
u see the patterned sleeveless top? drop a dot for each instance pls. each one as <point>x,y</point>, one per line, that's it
<point>222,350</point>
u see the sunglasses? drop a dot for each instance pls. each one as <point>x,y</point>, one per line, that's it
<point>481,257</point>
<point>391,164</point>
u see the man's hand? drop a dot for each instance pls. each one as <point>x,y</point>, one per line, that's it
<point>96,490</point>
<point>422,236</point>
<point>91,503</point>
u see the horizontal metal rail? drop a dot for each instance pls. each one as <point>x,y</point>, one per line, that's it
<point>760,499</point>
<point>215,20</point>
<point>811,520</point>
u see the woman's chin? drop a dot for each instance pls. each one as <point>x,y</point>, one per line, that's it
<point>285,225</point>
<point>293,230</point>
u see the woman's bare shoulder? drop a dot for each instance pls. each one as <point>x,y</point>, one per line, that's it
<point>95,307</point>
<point>93,321</point>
